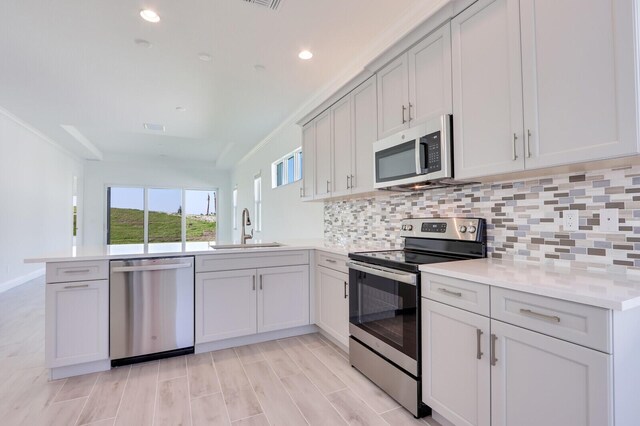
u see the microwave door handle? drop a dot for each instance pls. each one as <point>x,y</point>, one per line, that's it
<point>418,151</point>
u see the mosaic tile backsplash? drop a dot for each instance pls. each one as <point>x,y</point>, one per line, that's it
<point>524,218</point>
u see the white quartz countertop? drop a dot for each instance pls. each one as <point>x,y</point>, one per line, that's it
<point>605,290</point>
<point>132,251</point>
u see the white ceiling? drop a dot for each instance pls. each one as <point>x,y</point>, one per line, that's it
<point>75,63</point>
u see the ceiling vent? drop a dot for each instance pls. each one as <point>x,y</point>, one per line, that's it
<point>271,4</point>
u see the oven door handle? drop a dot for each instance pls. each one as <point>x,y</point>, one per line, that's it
<point>380,271</point>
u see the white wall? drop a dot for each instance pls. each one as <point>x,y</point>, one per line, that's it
<point>284,216</point>
<point>149,172</point>
<point>36,187</point>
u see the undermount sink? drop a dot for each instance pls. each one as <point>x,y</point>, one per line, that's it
<point>245,246</point>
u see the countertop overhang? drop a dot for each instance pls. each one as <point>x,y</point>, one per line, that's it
<point>606,290</point>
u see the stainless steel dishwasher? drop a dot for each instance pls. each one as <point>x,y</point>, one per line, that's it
<point>151,309</point>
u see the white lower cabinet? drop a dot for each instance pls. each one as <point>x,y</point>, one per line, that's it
<point>283,297</point>
<point>540,380</point>
<point>248,301</point>
<point>455,369</point>
<point>225,305</point>
<point>481,371</point>
<point>333,303</point>
<point>77,323</point>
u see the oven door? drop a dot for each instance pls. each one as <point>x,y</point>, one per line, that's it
<point>383,312</point>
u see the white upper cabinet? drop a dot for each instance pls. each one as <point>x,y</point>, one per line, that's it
<point>323,155</point>
<point>417,85</point>
<point>538,380</point>
<point>341,134</point>
<point>539,84</point>
<point>430,77</point>
<point>579,100</point>
<point>487,89</point>
<point>393,97</point>
<point>308,160</point>
<point>365,133</point>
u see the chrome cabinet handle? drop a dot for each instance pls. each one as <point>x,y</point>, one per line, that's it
<point>254,282</point>
<point>449,292</point>
<point>494,360</point>
<point>352,185</point>
<point>331,261</point>
<point>301,192</point>
<point>348,185</point>
<point>260,282</point>
<point>538,315</point>
<point>77,286</point>
<point>404,108</point>
<point>410,106</point>
<point>528,143</point>
<point>478,348</point>
<point>78,271</point>
<point>515,140</point>
<point>328,187</point>
<point>345,289</point>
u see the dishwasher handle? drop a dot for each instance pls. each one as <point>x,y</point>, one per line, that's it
<point>151,267</point>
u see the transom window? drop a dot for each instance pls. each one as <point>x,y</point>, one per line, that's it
<point>287,169</point>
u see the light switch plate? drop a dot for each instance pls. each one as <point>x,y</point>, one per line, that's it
<point>570,220</point>
<point>608,220</point>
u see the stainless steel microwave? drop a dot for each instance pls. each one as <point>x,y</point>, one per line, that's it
<point>415,158</point>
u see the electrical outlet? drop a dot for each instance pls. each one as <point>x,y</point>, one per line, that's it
<point>609,220</point>
<point>570,220</point>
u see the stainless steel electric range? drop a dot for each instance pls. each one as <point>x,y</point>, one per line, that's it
<point>384,302</point>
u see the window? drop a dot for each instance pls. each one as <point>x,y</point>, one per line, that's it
<point>287,169</point>
<point>257,198</point>
<point>235,207</point>
<point>160,215</point>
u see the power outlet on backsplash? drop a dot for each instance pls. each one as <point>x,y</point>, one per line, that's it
<point>570,220</point>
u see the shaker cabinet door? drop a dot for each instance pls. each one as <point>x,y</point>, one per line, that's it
<point>323,156</point>
<point>541,380</point>
<point>487,89</point>
<point>430,77</point>
<point>456,376</point>
<point>578,80</point>
<point>393,97</point>
<point>283,297</point>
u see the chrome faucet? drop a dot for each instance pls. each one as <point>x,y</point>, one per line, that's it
<point>246,221</point>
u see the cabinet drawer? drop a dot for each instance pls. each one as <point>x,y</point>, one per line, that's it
<point>228,262</point>
<point>585,325</point>
<point>462,294</point>
<point>62,272</point>
<point>332,261</point>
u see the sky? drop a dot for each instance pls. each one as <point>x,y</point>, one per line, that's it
<point>162,200</point>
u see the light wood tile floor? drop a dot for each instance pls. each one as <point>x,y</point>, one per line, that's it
<point>296,381</point>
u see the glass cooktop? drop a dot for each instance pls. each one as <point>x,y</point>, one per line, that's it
<point>401,259</point>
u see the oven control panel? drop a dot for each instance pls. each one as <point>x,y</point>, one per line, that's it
<point>446,228</point>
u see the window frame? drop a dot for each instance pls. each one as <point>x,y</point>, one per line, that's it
<point>234,202</point>
<point>283,161</point>
<point>145,188</point>
<point>257,203</point>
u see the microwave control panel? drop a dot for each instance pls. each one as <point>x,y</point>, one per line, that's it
<point>433,152</point>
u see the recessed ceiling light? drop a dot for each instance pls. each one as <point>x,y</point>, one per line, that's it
<point>204,57</point>
<point>180,109</point>
<point>155,127</point>
<point>142,43</point>
<point>149,15</point>
<point>305,54</point>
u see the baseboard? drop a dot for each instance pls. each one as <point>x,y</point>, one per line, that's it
<point>21,280</point>
<point>79,369</point>
<point>255,338</point>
